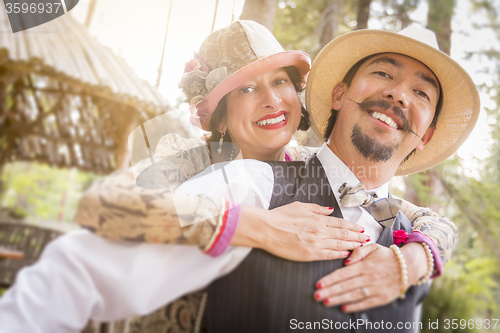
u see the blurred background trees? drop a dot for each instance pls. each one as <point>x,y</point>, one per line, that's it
<point>470,196</point>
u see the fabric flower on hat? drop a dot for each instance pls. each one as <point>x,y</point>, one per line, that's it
<point>193,118</point>
<point>192,65</point>
<point>196,83</point>
<point>193,109</point>
<point>198,110</point>
<point>195,64</point>
<point>400,237</point>
<point>203,66</point>
<point>193,84</point>
<point>215,77</point>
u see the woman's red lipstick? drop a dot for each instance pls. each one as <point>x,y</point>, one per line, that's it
<point>282,122</point>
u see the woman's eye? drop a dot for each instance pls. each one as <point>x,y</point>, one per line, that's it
<point>383,74</point>
<point>279,81</point>
<point>246,90</point>
<point>424,95</point>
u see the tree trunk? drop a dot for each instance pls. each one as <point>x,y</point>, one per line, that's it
<point>363,14</point>
<point>260,11</point>
<point>2,183</point>
<point>433,186</point>
<point>402,15</point>
<point>439,21</point>
<point>329,23</point>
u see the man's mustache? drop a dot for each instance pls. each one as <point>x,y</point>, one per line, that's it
<point>366,105</point>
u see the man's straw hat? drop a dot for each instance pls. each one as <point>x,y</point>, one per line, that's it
<point>460,108</point>
<point>228,58</point>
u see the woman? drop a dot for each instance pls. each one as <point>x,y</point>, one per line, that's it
<point>243,88</point>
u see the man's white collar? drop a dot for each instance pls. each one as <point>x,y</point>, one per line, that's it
<point>338,173</point>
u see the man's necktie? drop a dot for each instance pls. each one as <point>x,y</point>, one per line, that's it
<point>383,210</point>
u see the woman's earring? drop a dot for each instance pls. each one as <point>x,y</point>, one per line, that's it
<point>220,142</point>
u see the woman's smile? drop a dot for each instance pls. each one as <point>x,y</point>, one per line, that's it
<point>273,121</point>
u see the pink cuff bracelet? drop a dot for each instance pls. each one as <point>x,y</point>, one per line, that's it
<point>417,236</point>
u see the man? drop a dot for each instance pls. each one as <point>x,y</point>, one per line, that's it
<point>105,289</point>
<point>395,109</point>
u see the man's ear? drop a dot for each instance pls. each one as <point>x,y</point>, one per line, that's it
<point>426,138</point>
<point>337,94</point>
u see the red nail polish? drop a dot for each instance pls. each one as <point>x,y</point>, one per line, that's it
<point>317,295</point>
<point>330,207</point>
<point>368,238</point>
<point>360,244</point>
<point>362,230</point>
<point>326,301</point>
<point>347,254</point>
<point>347,261</point>
<point>319,285</point>
<point>343,308</point>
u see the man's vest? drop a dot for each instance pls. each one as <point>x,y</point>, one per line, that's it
<point>266,293</point>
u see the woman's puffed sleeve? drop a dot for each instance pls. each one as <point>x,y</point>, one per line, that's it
<point>301,153</point>
<point>135,205</point>
<point>441,232</point>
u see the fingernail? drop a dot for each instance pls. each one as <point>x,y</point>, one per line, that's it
<point>317,295</point>
<point>326,301</point>
<point>320,285</point>
<point>330,207</point>
<point>343,308</point>
<point>347,254</point>
<point>362,230</point>
<point>347,261</point>
<point>360,244</point>
<point>368,238</point>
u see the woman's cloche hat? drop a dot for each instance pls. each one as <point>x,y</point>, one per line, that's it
<point>228,58</point>
<point>460,108</point>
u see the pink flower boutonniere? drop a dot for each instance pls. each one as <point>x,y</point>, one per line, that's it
<point>400,237</point>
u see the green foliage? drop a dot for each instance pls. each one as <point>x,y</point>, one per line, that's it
<point>395,14</point>
<point>38,191</point>
<point>297,20</point>
<point>468,288</point>
<point>465,291</point>
<point>420,185</point>
<point>296,24</point>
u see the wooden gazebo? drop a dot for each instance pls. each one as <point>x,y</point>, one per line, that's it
<point>67,100</point>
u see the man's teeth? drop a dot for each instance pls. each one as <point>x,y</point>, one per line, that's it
<point>385,119</point>
<point>271,121</point>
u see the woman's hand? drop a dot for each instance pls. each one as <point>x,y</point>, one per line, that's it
<point>299,232</point>
<point>371,278</point>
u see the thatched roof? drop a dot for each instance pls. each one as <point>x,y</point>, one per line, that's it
<point>63,48</point>
<point>69,101</point>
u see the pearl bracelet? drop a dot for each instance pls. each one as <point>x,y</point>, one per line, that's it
<point>404,272</point>
<point>430,265</point>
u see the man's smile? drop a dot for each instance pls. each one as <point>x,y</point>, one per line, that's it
<point>389,114</point>
<point>385,119</point>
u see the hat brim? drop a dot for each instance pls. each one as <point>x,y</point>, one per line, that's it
<point>297,59</point>
<point>460,109</point>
